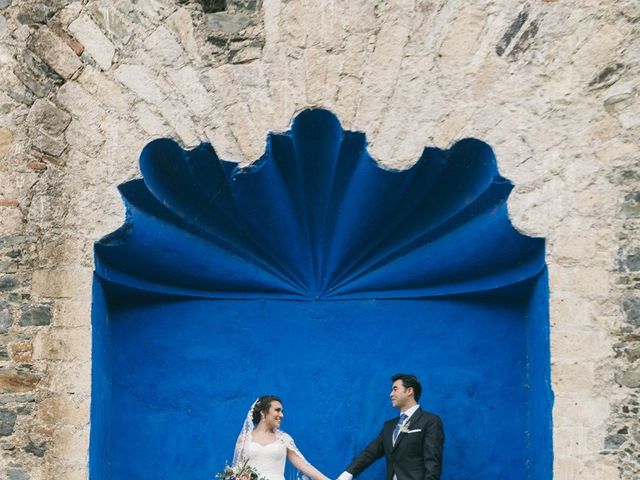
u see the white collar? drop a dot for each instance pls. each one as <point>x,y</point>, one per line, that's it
<point>410,411</point>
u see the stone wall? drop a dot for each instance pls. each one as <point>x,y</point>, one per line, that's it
<point>553,86</point>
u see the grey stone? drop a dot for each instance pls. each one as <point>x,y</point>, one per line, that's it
<point>511,31</point>
<point>13,398</point>
<point>37,450</point>
<point>24,410</point>
<point>5,317</point>
<point>47,144</point>
<point>35,316</point>
<point>631,309</point>
<point>4,354</point>
<point>48,118</point>
<point>631,376</point>
<point>245,52</point>
<point>7,282</point>
<point>110,20</point>
<point>248,5</point>
<point>227,23</point>
<point>55,52</point>
<point>3,24</point>
<point>4,4</point>
<point>612,442</point>
<point>7,422</point>
<point>607,76</point>
<point>632,261</point>
<point>631,205</point>
<point>36,75</point>
<point>17,474</point>
<point>525,41</point>
<point>37,12</point>
<point>213,6</point>
<point>11,240</point>
<point>8,266</point>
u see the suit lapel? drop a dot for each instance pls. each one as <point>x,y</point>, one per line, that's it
<point>412,421</point>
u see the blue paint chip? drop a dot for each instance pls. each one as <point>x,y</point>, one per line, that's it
<point>315,274</point>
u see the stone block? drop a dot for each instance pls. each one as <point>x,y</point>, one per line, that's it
<point>38,449</point>
<point>82,106</point>
<point>63,344</point>
<point>69,378</point>
<point>579,279</point>
<point>181,23</point>
<point>7,422</point>
<point>21,352</point>
<point>47,117</point>
<point>180,119</point>
<point>72,445</point>
<point>64,410</point>
<point>155,10</point>
<point>7,282</point>
<point>12,381</point>
<point>67,472</point>
<point>580,410</point>
<point>150,122</point>
<point>35,315</point>
<point>6,319</point>
<point>72,313</point>
<point>163,47</point>
<point>117,27</point>
<point>38,78</point>
<point>580,344</point>
<point>105,90</point>
<point>630,377</point>
<point>55,52</point>
<point>94,41</point>
<point>227,22</point>
<point>17,473</point>
<point>573,377</point>
<point>140,80</point>
<point>62,283</point>
<point>6,141</point>
<point>187,81</point>
<point>47,144</point>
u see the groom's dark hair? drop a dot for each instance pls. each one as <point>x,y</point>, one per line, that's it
<point>409,381</point>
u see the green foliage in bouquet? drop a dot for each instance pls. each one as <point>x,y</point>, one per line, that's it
<point>241,471</point>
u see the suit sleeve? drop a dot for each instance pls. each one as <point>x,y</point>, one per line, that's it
<point>373,452</point>
<point>433,447</point>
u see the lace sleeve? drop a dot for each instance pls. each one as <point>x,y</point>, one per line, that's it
<point>291,445</point>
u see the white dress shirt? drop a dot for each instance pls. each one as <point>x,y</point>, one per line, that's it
<point>408,412</point>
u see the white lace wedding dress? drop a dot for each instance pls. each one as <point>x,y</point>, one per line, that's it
<point>268,460</point>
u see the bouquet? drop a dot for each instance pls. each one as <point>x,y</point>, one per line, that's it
<point>241,471</point>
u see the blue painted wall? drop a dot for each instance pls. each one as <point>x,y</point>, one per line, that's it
<point>315,275</point>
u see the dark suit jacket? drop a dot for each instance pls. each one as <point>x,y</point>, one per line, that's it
<point>415,456</point>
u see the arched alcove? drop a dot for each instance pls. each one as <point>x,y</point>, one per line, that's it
<point>315,274</point>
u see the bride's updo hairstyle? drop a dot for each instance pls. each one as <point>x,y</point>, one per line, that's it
<point>262,406</point>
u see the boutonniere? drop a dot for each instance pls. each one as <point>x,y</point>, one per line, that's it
<point>404,427</point>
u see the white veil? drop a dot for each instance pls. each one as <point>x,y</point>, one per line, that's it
<point>245,437</point>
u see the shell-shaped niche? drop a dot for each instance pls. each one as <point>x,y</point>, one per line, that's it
<point>317,218</point>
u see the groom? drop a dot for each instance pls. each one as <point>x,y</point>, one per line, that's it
<point>411,444</point>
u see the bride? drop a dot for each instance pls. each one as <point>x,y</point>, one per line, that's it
<point>265,447</point>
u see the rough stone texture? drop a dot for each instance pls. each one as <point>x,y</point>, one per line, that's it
<point>552,86</point>
<point>7,422</point>
<point>93,40</point>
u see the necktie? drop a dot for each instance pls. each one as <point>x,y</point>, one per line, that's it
<point>396,431</point>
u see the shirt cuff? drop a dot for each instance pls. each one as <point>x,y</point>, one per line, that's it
<point>345,476</point>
